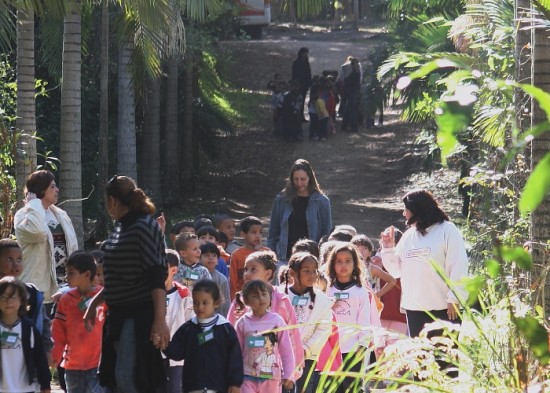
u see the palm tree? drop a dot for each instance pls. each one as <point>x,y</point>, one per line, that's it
<point>126,146</point>
<point>150,175</point>
<point>71,119</point>
<point>26,105</point>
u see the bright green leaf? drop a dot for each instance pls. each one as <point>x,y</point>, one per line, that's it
<point>474,286</point>
<point>451,118</point>
<point>536,187</point>
<point>536,335</point>
<point>517,255</point>
<point>493,268</point>
<point>542,97</point>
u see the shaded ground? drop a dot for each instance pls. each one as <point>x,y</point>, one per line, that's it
<point>363,173</point>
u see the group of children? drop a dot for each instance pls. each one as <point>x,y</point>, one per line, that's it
<point>286,107</point>
<point>239,322</point>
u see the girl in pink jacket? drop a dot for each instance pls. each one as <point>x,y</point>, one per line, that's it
<point>265,343</point>
<point>261,265</point>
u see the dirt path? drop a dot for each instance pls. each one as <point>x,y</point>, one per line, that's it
<point>363,173</point>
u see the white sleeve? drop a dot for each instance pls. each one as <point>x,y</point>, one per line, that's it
<point>456,262</point>
<point>391,261</point>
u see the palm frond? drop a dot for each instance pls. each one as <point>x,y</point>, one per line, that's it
<point>51,45</point>
<point>491,125</point>
<point>7,28</point>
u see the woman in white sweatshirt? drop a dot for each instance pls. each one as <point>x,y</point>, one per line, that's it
<point>430,239</point>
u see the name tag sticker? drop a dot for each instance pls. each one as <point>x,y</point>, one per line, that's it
<point>341,295</point>
<point>300,300</point>
<point>255,342</point>
<point>10,338</point>
<point>191,275</point>
<point>204,337</point>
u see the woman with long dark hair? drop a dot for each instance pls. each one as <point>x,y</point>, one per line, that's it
<point>301,73</point>
<point>135,269</point>
<point>431,238</point>
<point>300,211</point>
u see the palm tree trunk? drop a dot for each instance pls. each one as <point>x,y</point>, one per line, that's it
<point>171,152</point>
<point>126,146</point>
<point>149,177</point>
<point>540,219</point>
<point>26,105</point>
<point>187,171</point>
<point>71,119</point>
<point>103,114</point>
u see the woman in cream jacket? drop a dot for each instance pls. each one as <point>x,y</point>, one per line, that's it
<point>45,234</point>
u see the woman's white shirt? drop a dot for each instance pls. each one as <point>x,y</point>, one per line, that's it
<point>412,258</point>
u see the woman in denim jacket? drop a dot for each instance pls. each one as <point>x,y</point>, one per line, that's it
<point>300,211</point>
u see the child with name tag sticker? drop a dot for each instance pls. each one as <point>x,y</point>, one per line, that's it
<point>353,310</point>
<point>208,345</point>
<point>261,265</point>
<point>313,314</point>
<point>267,351</point>
<point>190,269</point>
<point>23,355</point>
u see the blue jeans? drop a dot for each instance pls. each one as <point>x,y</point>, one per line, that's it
<point>125,367</point>
<point>82,381</point>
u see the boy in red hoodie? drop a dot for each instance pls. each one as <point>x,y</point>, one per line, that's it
<point>76,348</point>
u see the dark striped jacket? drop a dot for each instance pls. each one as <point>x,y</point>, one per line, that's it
<point>134,261</point>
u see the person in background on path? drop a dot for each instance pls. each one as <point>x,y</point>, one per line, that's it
<point>75,348</point>
<point>251,232</point>
<point>312,109</point>
<point>322,112</point>
<point>210,235</point>
<point>300,211</point>
<point>208,345</point>
<point>11,264</point>
<point>179,309</point>
<point>190,270</point>
<point>352,308</point>
<point>277,87</point>
<point>209,259</point>
<point>352,87</point>
<point>313,314</point>
<point>431,238</point>
<point>290,113</point>
<point>262,265</point>
<point>267,356</point>
<point>135,273</point>
<point>226,224</point>
<point>23,356</point>
<point>301,72</point>
<point>45,234</point>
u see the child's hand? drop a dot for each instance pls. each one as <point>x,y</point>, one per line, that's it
<point>234,389</point>
<point>161,220</point>
<point>387,238</point>
<point>89,318</point>
<point>288,384</point>
<point>56,296</point>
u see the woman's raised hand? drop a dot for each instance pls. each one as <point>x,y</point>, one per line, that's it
<point>387,238</point>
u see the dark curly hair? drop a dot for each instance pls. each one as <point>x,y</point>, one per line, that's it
<point>424,209</point>
<point>356,273</point>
